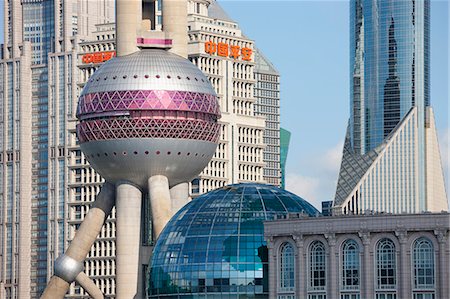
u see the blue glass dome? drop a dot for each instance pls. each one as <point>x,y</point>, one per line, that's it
<point>215,244</point>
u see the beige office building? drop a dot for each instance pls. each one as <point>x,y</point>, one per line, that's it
<point>38,96</point>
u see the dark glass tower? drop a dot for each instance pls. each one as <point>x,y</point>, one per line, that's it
<point>391,160</point>
<point>389,67</point>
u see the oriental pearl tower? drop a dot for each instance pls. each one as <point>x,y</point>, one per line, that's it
<point>148,123</point>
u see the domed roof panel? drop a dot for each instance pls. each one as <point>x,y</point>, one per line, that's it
<point>216,245</point>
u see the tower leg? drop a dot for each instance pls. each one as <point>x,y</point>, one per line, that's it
<point>128,224</point>
<point>69,265</point>
<point>179,196</point>
<point>158,190</point>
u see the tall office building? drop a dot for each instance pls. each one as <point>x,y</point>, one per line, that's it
<point>391,159</point>
<point>38,99</point>
<point>267,94</point>
<point>220,49</point>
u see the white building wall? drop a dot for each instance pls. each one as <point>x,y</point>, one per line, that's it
<point>239,157</point>
<point>391,183</point>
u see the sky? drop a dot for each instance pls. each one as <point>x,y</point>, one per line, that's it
<point>308,42</point>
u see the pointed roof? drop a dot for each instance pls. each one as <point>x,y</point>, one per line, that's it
<point>263,64</point>
<point>216,11</point>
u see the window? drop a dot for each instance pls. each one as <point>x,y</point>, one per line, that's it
<point>317,271</point>
<point>386,265</point>
<point>287,268</point>
<point>350,270</point>
<point>423,269</point>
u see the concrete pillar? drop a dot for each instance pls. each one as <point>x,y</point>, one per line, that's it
<point>56,288</point>
<point>179,196</point>
<point>161,206</point>
<point>128,24</point>
<point>442,268</point>
<point>175,25</point>
<point>367,269</point>
<point>89,286</point>
<point>404,269</point>
<point>273,277</point>
<point>83,241</point>
<point>300,271</point>
<point>128,234</point>
<point>26,149</point>
<point>333,288</point>
<point>304,274</point>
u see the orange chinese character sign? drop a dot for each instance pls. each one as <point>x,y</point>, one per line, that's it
<point>246,54</point>
<point>235,52</point>
<point>225,50</point>
<point>222,50</point>
<point>98,57</point>
<point>210,48</point>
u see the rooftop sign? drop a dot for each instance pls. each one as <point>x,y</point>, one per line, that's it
<point>226,50</point>
<point>97,57</point>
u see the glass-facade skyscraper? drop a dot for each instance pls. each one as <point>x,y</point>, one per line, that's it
<point>389,67</point>
<point>391,158</point>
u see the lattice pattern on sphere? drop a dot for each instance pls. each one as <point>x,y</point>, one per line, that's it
<point>147,100</point>
<point>123,128</point>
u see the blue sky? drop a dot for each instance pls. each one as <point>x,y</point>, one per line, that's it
<point>308,41</point>
<point>309,44</point>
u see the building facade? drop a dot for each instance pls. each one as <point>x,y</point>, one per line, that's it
<point>39,80</point>
<point>219,48</point>
<point>391,160</point>
<point>267,93</point>
<point>84,183</point>
<point>351,257</point>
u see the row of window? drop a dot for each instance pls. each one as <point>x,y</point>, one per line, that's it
<point>385,265</point>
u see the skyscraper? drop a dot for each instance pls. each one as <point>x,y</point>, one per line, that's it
<point>38,95</point>
<point>267,94</point>
<point>391,158</point>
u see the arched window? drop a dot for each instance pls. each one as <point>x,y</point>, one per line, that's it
<point>350,269</point>
<point>386,267</point>
<point>317,269</point>
<point>423,268</point>
<point>287,267</point>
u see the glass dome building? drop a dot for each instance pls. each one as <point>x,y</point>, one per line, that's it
<point>214,246</point>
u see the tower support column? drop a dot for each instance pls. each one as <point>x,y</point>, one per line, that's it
<point>179,196</point>
<point>128,224</point>
<point>69,265</point>
<point>161,206</point>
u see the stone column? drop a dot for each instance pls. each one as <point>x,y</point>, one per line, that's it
<point>128,223</point>
<point>442,266</point>
<point>128,23</point>
<point>366,273</point>
<point>161,206</point>
<point>300,269</point>
<point>333,287</point>
<point>273,283</point>
<point>404,269</point>
<point>179,196</point>
<point>175,25</point>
